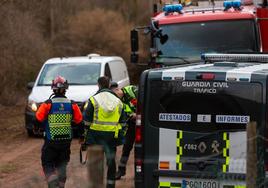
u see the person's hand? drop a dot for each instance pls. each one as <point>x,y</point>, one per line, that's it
<point>81,140</point>
<point>133,116</point>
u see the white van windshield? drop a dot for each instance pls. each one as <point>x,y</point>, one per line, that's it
<point>75,73</point>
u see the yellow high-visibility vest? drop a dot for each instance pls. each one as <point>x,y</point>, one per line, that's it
<point>107,112</point>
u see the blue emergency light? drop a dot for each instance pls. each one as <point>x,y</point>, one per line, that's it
<point>173,8</point>
<point>236,4</point>
<point>227,4</point>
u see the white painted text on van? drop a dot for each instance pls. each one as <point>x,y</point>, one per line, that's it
<point>174,117</point>
<point>232,119</point>
<point>204,87</point>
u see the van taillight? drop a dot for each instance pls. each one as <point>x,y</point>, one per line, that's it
<point>138,149</point>
<point>138,135</point>
<point>138,164</point>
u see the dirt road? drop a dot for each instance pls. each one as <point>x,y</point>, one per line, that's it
<point>20,164</point>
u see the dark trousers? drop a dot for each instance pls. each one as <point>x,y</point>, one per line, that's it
<point>110,153</point>
<point>109,143</point>
<point>55,157</point>
<point>129,141</point>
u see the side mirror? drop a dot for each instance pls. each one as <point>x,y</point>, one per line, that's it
<point>163,38</point>
<point>30,85</point>
<point>134,37</point>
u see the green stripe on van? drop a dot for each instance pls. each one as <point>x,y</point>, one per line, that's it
<point>225,166</point>
<point>169,185</point>
<point>179,151</point>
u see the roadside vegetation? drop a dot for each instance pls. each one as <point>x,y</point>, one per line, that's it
<point>35,30</point>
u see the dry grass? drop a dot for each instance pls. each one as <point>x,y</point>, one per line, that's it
<point>8,168</point>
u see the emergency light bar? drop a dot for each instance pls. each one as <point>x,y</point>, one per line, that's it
<point>173,8</point>
<point>236,4</point>
<point>235,57</point>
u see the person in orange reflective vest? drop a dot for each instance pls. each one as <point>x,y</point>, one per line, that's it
<point>56,116</point>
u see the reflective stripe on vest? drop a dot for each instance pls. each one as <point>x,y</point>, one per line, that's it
<point>59,120</point>
<point>107,112</point>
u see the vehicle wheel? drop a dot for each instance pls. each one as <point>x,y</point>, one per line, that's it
<point>30,133</point>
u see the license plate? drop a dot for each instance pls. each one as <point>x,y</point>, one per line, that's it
<point>199,183</point>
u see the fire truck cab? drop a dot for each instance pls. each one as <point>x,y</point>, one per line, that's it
<point>179,35</point>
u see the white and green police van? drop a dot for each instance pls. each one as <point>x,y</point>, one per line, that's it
<point>191,122</point>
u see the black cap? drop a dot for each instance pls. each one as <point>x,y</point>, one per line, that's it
<point>113,85</point>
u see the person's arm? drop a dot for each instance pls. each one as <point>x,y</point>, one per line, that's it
<point>41,114</point>
<point>135,91</point>
<point>77,115</point>
<point>43,111</point>
<point>127,109</point>
<point>124,117</point>
<point>88,113</point>
<point>78,119</point>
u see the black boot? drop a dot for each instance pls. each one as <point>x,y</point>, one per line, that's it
<point>121,172</point>
<point>110,186</point>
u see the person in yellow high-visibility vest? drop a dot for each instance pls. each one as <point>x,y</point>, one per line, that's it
<point>103,116</point>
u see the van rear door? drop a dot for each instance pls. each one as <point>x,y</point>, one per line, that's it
<point>195,130</point>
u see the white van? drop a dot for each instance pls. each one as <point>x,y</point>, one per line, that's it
<point>82,74</point>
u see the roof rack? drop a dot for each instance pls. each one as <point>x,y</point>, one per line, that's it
<point>212,9</point>
<point>212,57</point>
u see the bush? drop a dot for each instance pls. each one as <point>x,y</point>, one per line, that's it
<point>23,50</point>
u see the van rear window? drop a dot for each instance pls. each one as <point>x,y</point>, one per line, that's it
<point>188,106</point>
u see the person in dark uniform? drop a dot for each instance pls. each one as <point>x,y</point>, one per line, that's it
<point>128,95</point>
<point>104,116</point>
<point>55,116</point>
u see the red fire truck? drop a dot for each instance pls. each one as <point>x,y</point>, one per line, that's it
<point>179,35</point>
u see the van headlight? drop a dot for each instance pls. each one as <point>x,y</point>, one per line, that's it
<point>32,106</point>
